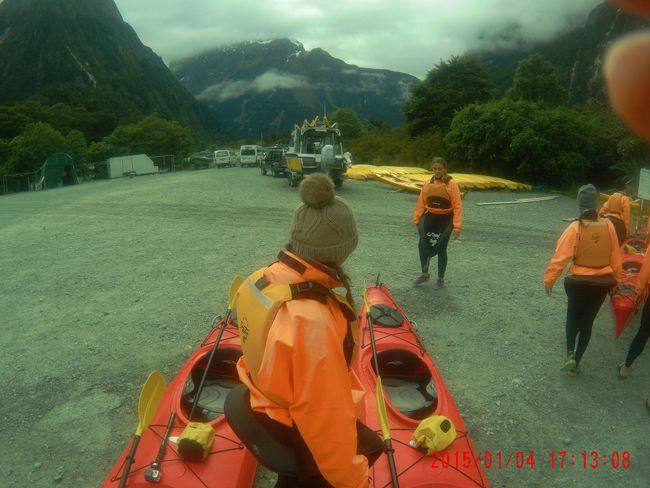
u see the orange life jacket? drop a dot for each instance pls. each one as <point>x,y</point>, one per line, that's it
<point>257,304</point>
<point>594,245</point>
<point>437,197</point>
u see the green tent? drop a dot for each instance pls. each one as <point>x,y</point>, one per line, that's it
<point>57,171</point>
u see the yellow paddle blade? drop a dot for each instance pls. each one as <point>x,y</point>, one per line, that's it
<point>150,397</point>
<point>381,409</point>
<point>365,297</point>
<point>232,292</point>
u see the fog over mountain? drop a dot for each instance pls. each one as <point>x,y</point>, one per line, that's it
<point>408,36</point>
<point>267,86</point>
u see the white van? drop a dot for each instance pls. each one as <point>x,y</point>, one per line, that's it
<point>250,155</point>
<point>223,158</point>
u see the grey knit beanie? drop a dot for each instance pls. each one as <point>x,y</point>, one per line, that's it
<point>323,226</point>
<point>587,198</point>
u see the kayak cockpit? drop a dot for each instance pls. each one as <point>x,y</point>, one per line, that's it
<point>407,383</point>
<point>222,377</point>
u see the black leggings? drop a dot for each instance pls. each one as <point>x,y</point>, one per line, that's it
<point>641,337</point>
<point>584,302</point>
<point>435,231</point>
<point>369,444</point>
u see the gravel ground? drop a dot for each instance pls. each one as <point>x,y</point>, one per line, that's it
<point>106,281</point>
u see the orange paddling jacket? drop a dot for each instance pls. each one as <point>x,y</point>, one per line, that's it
<point>644,275</point>
<point>296,361</point>
<point>592,247</point>
<point>618,206</point>
<point>437,197</point>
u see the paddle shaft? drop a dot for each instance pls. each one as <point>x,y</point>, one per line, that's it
<point>129,460</point>
<point>207,366</point>
<point>163,444</point>
<point>387,442</point>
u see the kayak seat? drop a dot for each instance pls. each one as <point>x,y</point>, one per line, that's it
<point>407,383</point>
<point>632,266</point>
<point>221,379</point>
<point>385,316</point>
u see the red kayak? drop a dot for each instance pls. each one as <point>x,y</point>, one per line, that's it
<point>229,463</point>
<point>414,390</point>
<point>624,302</point>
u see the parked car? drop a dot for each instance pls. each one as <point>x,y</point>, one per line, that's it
<point>202,159</point>
<point>250,155</point>
<point>223,158</point>
<point>273,162</point>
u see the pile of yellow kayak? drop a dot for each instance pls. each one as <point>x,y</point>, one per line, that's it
<point>412,178</point>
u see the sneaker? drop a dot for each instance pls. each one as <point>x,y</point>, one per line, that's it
<point>440,283</point>
<point>570,366</point>
<point>623,371</point>
<point>572,373</point>
<point>423,278</point>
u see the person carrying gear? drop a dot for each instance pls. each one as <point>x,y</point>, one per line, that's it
<point>617,210</point>
<point>299,338</point>
<point>591,243</point>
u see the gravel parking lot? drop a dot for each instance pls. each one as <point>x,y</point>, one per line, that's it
<point>105,281</point>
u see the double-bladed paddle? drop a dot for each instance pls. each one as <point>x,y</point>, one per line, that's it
<point>379,395</point>
<point>150,397</point>
<point>234,286</point>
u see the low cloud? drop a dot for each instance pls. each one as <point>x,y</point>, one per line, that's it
<point>271,80</point>
<point>409,36</point>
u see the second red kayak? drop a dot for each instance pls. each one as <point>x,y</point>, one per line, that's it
<point>623,299</point>
<point>414,390</point>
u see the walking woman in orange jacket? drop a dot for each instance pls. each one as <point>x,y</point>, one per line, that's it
<point>592,245</point>
<point>299,339</point>
<point>438,216</point>
<point>617,210</point>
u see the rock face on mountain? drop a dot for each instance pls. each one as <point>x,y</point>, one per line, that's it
<point>81,52</point>
<point>577,54</point>
<point>267,86</point>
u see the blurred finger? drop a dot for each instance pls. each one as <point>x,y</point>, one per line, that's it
<point>627,75</point>
<point>640,7</point>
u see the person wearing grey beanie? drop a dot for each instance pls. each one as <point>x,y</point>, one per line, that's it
<point>299,339</point>
<point>591,243</point>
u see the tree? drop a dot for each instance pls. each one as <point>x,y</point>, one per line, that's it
<point>76,146</point>
<point>448,87</point>
<point>152,135</point>
<point>537,143</point>
<point>536,80</point>
<point>29,150</point>
<point>348,122</point>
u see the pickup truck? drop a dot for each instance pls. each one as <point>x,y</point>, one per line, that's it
<point>274,162</point>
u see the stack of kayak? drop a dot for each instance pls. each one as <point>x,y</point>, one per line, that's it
<point>412,178</point>
<point>413,390</point>
<point>624,301</point>
<point>412,387</point>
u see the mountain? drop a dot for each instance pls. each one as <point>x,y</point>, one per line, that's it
<point>267,86</point>
<point>577,54</point>
<point>81,52</point>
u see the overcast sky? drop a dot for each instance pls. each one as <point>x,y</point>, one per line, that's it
<point>410,36</point>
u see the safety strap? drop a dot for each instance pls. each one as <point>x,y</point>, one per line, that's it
<point>316,291</point>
